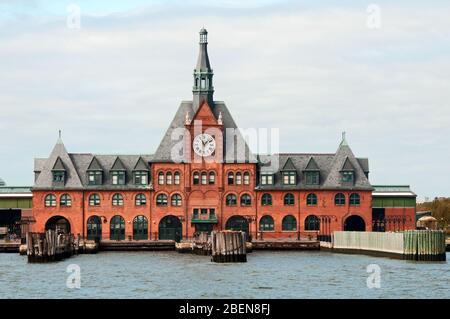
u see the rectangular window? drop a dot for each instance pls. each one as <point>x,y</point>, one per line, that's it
<point>95,177</point>
<point>348,177</point>
<point>118,177</point>
<point>195,213</point>
<point>204,211</point>
<point>312,178</point>
<point>212,213</point>
<point>266,179</point>
<point>289,178</point>
<point>140,178</point>
<point>58,176</point>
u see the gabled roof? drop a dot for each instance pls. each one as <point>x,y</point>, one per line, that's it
<point>289,165</point>
<point>347,166</point>
<point>118,165</point>
<point>59,165</point>
<point>95,165</point>
<point>141,165</point>
<point>312,165</point>
<point>233,149</point>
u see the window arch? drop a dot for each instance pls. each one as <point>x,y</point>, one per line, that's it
<point>117,228</point>
<point>140,200</point>
<point>176,178</point>
<point>169,178</point>
<point>246,178</point>
<point>175,200</point>
<point>196,178</point>
<point>50,200</point>
<point>204,178</point>
<point>212,178</point>
<point>339,199</point>
<point>140,228</point>
<point>161,200</point>
<point>289,223</point>
<point>94,200</point>
<point>117,200</point>
<point>246,200</point>
<point>160,178</point>
<point>312,222</point>
<point>230,178</point>
<point>238,178</point>
<point>311,200</point>
<point>65,200</point>
<point>355,199</point>
<point>231,200</point>
<point>289,199</point>
<point>266,223</point>
<point>266,200</point>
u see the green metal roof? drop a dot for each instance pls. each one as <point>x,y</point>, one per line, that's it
<point>15,189</point>
<point>391,188</point>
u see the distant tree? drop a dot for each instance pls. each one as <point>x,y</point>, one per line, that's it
<point>440,209</point>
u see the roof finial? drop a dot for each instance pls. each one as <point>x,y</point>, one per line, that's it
<point>59,138</point>
<point>203,36</point>
<point>344,140</point>
<point>219,120</point>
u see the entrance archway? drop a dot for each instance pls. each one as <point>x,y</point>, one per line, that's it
<point>94,228</point>
<point>170,228</point>
<point>354,223</point>
<point>117,228</point>
<point>238,223</point>
<point>140,228</point>
<point>59,224</point>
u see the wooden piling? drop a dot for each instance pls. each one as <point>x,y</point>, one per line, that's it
<point>50,246</point>
<point>228,246</point>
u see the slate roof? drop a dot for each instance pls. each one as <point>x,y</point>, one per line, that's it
<point>230,147</point>
<point>329,165</point>
<point>77,166</point>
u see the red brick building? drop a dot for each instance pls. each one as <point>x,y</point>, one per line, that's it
<point>202,177</point>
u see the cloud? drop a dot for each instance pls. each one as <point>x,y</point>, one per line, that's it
<point>114,85</point>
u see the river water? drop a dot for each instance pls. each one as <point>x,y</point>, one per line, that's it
<point>265,275</point>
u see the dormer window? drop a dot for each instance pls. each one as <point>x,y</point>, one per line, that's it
<point>290,178</point>
<point>140,177</point>
<point>266,179</point>
<point>348,176</point>
<point>118,177</point>
<point>59,176</point>
<point>95,177</point>
<point>312,178</point>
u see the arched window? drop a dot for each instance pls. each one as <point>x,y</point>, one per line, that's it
<point>312,222</point>
<point>230,178</point>
<point>161,178</point>
<point>196,178</point>
<point>176,178</point>
<point>246,200</point>
<point>289,223</point>
<point>140,228</point>
<point>212,178</point>
<point>231,200</point>
<point>204,178</point>
<point>94,228</point>
<point>161,200</point>
<point>355,200</point>
<point>50,200</point>
<point>169,178</point>
<point>65,200</point>
<point>140,200</point>
<point>117,200</point>
<point>311,200</point>
<point>176,200</point>
<point>266,200</point>
<point>339,199</point>
<point>117,228</point>
<point>289,199</point>
<point>94,200</point>
<point>238,178</point>
<point>246,178</point>
<point>266,223</point>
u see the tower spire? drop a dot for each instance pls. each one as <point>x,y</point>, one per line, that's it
<point>203,89</point>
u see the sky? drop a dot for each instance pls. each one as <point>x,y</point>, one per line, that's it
<point>378,70</point>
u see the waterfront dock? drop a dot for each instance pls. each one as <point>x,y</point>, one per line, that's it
<point>286,244</point>
<point>417,245</point>
<point>9,247</point>
<point>228,246</point>
<point>50,246</point>
<point>136,245</point>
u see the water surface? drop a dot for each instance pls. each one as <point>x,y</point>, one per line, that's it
<point>265,275</point>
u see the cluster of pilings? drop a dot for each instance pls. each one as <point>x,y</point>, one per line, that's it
<point>424,245</point>
<point>228,246</point>
<point>50,246</point>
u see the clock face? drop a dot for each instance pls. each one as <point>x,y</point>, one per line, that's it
<point>204,145</point>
